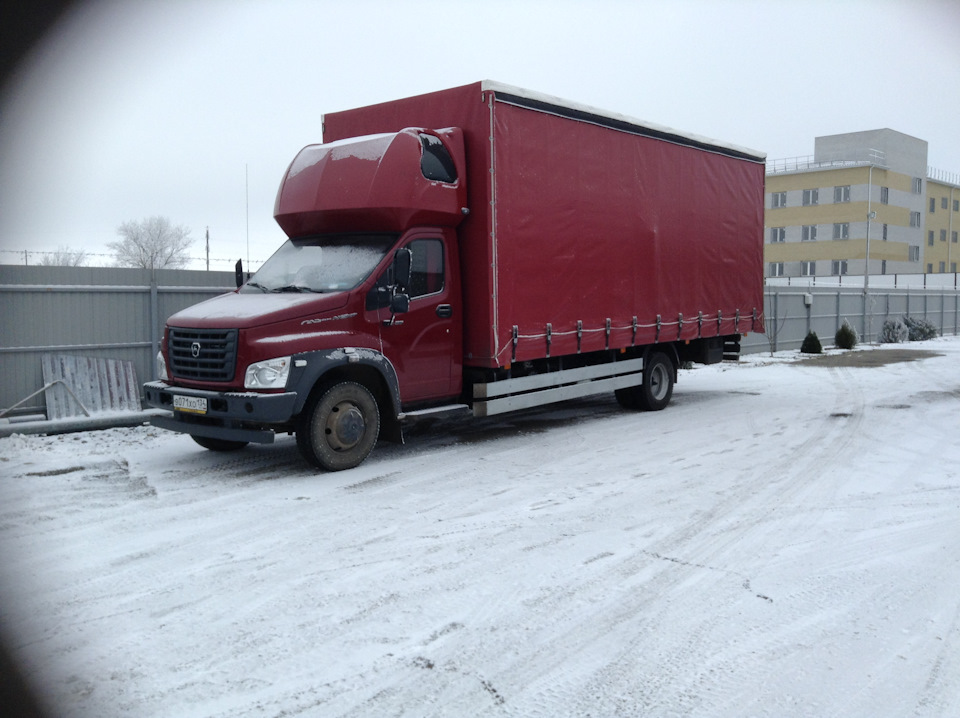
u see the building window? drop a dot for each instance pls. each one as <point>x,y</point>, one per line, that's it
<point>943,203</point>
<point>884,231</point>
<point>914,254</point>
<point>943,267</point>
<point>914,219</point>
<point>809,233</point>
<point>956,205</point>
<point>953,267</point>
<point>776,269</point>
<point>839,266</point>
<point>953,237</point>
<point>810,197</point>
<point>808,269</point>
<point>883,266</point>
<point>930,238</point>
<point>778,234</point>
<point>943,235</point>
<point>778,199</point>
<point>917,185</point>
<point>933,205</point>
<point>929,268</point>
<point>884,195</point>
<point>841,194</point>
<point>841,230</point>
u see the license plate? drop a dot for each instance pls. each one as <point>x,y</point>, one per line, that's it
<point>191,404</point>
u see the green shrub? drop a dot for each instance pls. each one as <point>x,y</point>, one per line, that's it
<point>811,344</point>
<point>846,336</point>
<point>894,331</point>
<point>920,329</point>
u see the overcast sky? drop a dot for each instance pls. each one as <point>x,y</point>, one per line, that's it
<point>194,109</point>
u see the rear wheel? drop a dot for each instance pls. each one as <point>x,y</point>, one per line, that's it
<point>657,387</point>
<point>627,397</point>
<point>339,427</point>
<point>218,444</point>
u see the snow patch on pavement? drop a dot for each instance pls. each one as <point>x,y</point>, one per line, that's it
<point>782,540</point>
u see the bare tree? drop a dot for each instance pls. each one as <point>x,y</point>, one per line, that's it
<point>64,257</point>
<point>152,243</point>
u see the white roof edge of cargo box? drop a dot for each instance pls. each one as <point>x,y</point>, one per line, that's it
<point>580,107</point>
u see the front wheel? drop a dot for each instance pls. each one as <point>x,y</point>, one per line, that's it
<point>339,427</point>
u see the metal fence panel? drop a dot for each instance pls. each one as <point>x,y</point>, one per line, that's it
<point>76,386</point>
<point>97,312</point>
<point>116,313</point>
<point>789,318</point>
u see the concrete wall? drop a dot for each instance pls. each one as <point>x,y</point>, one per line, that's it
<point>901,153</point>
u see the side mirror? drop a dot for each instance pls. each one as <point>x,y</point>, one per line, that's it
<point>238,273</point>
<point>402,264</point>
<point>400,303</point>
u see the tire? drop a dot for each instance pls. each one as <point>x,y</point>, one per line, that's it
<point>218,444</point>
<point>657,388</point>
<point>339,427</point>
<point>627,397</point>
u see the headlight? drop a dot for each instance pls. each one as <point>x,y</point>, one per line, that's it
<point>161,367</point>
<point>270,374</point>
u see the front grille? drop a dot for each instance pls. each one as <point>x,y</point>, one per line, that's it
<point>203,354</point>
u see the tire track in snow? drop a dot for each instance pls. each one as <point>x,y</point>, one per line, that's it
<point>424,564</point>
<point>664,568</point>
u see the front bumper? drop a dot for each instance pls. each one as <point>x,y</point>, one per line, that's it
<point>232,416</point>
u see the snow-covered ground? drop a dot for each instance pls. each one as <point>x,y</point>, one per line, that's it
<point>783,540</point>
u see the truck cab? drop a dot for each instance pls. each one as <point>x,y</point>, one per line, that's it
<point>530,251</point>
<point>355,319</point>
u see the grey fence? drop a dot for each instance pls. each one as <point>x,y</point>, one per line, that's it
<point>792,312</point>
<point>96,312</point>
<point>110,313</point>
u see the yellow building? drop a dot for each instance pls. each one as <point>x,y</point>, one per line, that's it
<point>864,197</point>
<point>941,251</point>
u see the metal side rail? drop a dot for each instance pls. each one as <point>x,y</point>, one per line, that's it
<point>529,391</point>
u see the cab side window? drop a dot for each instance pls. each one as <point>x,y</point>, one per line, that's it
<point>426,276</point>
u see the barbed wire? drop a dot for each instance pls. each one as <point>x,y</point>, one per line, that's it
<point>24,256</point>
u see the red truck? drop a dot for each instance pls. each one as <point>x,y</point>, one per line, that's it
<point>479,249</point>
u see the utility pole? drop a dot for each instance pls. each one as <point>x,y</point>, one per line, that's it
<point>871,214</point>
<point>208,249</point>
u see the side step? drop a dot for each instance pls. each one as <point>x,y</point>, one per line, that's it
<point>436,412</point>
<point>731,348</point>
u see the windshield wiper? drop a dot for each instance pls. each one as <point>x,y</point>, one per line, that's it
<point>296,288</point>
<point>258,286</point>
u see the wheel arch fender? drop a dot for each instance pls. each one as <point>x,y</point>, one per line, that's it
<point>368,367</point>
<point>670,350</point>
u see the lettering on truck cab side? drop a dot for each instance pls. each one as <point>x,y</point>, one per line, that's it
<point>319,320</point>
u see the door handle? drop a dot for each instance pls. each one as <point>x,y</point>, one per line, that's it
<point>444,311</point>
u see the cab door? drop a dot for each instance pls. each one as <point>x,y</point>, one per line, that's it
<point>425,343</point>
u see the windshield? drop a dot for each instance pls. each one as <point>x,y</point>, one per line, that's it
<point>329,263</point>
